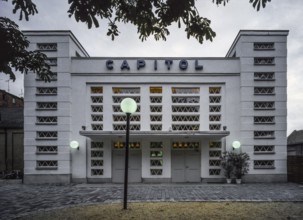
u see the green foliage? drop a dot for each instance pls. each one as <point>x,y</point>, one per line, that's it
<point>235,164</point>
<point>13,53</point>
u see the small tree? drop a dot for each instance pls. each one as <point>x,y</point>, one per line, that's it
<point>227,164</point>
<point>241,164</point>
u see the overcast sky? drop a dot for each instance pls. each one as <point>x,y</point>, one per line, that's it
<point>226,22</point>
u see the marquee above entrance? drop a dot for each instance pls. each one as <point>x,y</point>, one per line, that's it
<point>192,134</point>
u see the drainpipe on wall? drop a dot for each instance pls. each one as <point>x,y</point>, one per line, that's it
<point>5,148</point>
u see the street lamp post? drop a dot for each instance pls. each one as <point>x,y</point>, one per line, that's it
<point>128,106</point>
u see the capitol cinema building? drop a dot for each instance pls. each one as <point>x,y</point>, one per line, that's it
<point>190,111</point>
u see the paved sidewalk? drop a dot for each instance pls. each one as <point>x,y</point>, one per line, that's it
<point>18,199</point>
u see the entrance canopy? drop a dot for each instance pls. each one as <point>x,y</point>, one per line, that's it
<point>169,134</point>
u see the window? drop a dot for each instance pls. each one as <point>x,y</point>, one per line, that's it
<point>264,119</point>
<point>214,117</point>
<point>264,90</point>
<point>264,164</point>
<point>51,61</point>
<point>264,46</point>
<point>47,120</point>
<point>264,149</point>
<point>214,90</point>
<point>122,127</point>
<point>47,46</point>
<point>46,91</point>
<point>215,108</point>
<point>97,127</point>
<point>185,145</point>
<point>185,117</point>
<point>156,118</point>
<point>97,99</point>
<point>96,90</point>
<point>214,99</point>
<point>264,105</point>
<point>214,153</point>
<point>264,134</point>
<point>156,158</point>
<point>118,99</point>
<point>214,172</point>
<point>214,127</point>
<point>47,135</point>
<point>47,164</point>
<point>185,108</point>
<point>156,99</point>
<point>117,90</point>
<point>264,60</point>
<point>156,127</point>
<point>97,158</point>
<point>155,90</point>
<point>185,99</point>
<point>185,127</point>
<point>53,77</point>
<point>47,105</point>
<point>181,90</point>
<point>156,108</point>
<point>47,149</point>
<point>264,76</point>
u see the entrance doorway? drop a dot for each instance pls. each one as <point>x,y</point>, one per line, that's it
<point>186,166</point>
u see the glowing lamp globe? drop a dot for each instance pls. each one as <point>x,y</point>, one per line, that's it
<point>74,144</point>
<point>236,144</point>
<point>128,105</point>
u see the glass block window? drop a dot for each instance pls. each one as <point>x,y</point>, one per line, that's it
<point>264,164</point>
<point>47,120</point>
<point>214,90</point>
<point>97,172</point>
<point>97,108</point>
<point>122,127</point>
<point>264,105</point>
<point>264,90</point>
<point>181,90</point>
<point>53,77</point>
<point>126,90</point>
<point>264,119</point>
<point>264,134</point>
<point>214,127</point>
<point>51,149</point>
<point>185,145</point>
<point>264,60</point>
<point>47,105</point>
<point>131,145</point>
<point>214,153</point>
<point>264,149</point>
<point>154,90</point>
<point>214,99</point>
<point>118,99</point>
<point>156,145</point>
<point>97,158</point>
<point>214,172</point>
<point>264,46</point>
<point>156,158</point>
<point>97,99</point>
<point>47,135</point>
<point>156,153</point>
<point>98,118</point>
<point>46,91</point>
<point>214,117</point>
<point>215,163</point>
<point>185,127</point>
<point>96,90</point>
<point>264,76</point>
<point>185,117</point>
<point>185,99</point>
<point>47,164</point>
<point>215,144</point>
<point>97,127</point>
<point>156,99</point>
<point>156,108</point>
<point>185,108</point>
<point>215,108</point>
<point>47,46</point>
<point>51,61</point>
<point>156,127</point>
<point>123,118</point>
<point>155,117</point>
<point>117,108</point>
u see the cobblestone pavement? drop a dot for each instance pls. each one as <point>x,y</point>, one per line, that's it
<point>18,199</point>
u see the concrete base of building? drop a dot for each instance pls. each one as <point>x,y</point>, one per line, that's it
<point>265,178</point>
<point>47,178</point>
<point>213,180</point>
<point>99,180</point>
<point>156,180</point>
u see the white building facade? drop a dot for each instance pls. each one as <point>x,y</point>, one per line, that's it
<point>190,110</point>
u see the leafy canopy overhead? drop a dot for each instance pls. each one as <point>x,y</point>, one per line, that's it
<point>13,53</point>
<point>151,17</point>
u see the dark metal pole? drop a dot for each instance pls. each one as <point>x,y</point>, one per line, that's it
<point>126,162</point>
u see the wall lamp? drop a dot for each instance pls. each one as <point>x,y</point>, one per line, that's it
<point>74,145</point>
<point>236,144</point>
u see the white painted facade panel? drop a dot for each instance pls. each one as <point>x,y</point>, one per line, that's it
<point>190,111</point>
